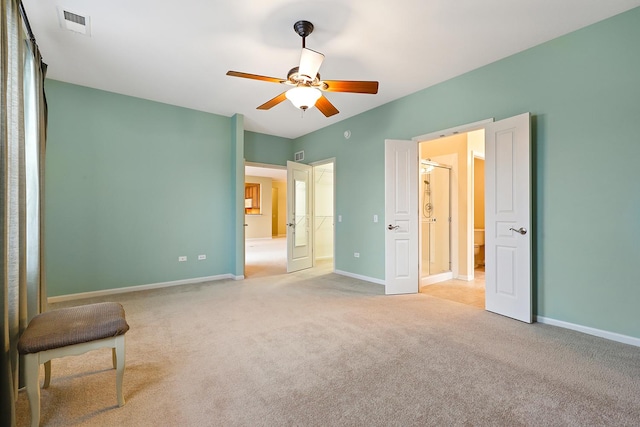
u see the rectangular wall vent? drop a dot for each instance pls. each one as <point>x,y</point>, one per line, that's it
<point>74,22</point>
<point>80,20</point>
<point>299,156</point>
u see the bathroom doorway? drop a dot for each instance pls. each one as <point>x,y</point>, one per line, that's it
<point>507,144</point>
<point>464,281</point>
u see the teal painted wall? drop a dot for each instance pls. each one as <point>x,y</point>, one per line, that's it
<point>237,205</point>
<point>261,148</point>
<point>583,90</point>
<point>130,186</point>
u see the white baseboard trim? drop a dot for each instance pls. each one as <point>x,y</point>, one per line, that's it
<point>360,277</point>
<point>613,336</point>
<point>465,277</point>
<point>92,294</point>
<point>436,278</point>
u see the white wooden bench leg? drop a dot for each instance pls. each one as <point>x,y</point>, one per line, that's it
<point>32,383</point>
<point>119,355</point>
<point>47,374</point>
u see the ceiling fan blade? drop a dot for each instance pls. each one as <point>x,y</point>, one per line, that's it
<point>350,86</point>
<point>310,62</point>
<point>254,77</point>
<point>273,102</point>
<point>326,107</point>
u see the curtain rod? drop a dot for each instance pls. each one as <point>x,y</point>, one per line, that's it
<point>26,22</point>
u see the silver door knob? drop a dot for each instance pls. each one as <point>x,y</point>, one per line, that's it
<point>521,230</point>
<point>393,227</point>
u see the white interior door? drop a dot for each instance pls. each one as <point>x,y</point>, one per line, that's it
<point>401,217</point>
<point>299,235</point>
<point>508,217</point>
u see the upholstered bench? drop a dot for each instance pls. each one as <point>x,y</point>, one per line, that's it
<point>69,332</point>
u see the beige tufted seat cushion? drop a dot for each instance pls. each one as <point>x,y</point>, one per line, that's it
<point>74,325</point>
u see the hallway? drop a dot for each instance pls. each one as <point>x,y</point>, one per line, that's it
<point>265,257</point>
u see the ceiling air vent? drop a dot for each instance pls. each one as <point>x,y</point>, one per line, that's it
<point>299,156</point>
<point>74,18</point>
<point>74,22</point>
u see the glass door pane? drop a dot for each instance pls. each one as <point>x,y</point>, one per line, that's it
<point>301,214</point>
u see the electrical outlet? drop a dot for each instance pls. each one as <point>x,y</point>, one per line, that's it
<point>182,258</point>
<point>201,257</point>
<point>339,218</point>
<point>356,254</point>
<point>375,218</point>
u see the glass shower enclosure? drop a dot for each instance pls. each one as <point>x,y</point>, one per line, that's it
<point>435,221</point>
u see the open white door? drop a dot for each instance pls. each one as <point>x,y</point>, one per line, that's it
<point>401,216</point>
<point>508,217</point>
<point>299,235</point>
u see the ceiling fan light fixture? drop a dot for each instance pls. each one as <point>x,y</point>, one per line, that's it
<point>306,83</point>
<point>303,97</point>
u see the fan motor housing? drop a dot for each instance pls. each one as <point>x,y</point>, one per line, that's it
<point>303,28</point>
<point>294,79</point>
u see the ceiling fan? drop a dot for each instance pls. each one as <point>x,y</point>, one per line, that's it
<point>307,86</point>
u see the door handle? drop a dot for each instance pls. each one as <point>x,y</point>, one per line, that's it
<point>290,224</point>
<point>521,230</point>
<point>393,227</point>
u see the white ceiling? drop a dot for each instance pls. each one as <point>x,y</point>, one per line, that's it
<point>178,52</point>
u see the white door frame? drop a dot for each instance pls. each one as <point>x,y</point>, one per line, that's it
<point>454,130</point>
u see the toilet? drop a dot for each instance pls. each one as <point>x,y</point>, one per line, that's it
<point>478,247</point>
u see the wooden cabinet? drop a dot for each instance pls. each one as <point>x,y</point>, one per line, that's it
<point>252,198</point>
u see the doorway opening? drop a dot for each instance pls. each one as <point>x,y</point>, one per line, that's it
<point>508,239</point>
<point>266,222</point>
<point>323,213</point>
<point>451,223</point>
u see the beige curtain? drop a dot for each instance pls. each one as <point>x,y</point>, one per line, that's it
<point>23,132</point>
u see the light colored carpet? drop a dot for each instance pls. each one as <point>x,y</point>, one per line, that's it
<point>317,349</point>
